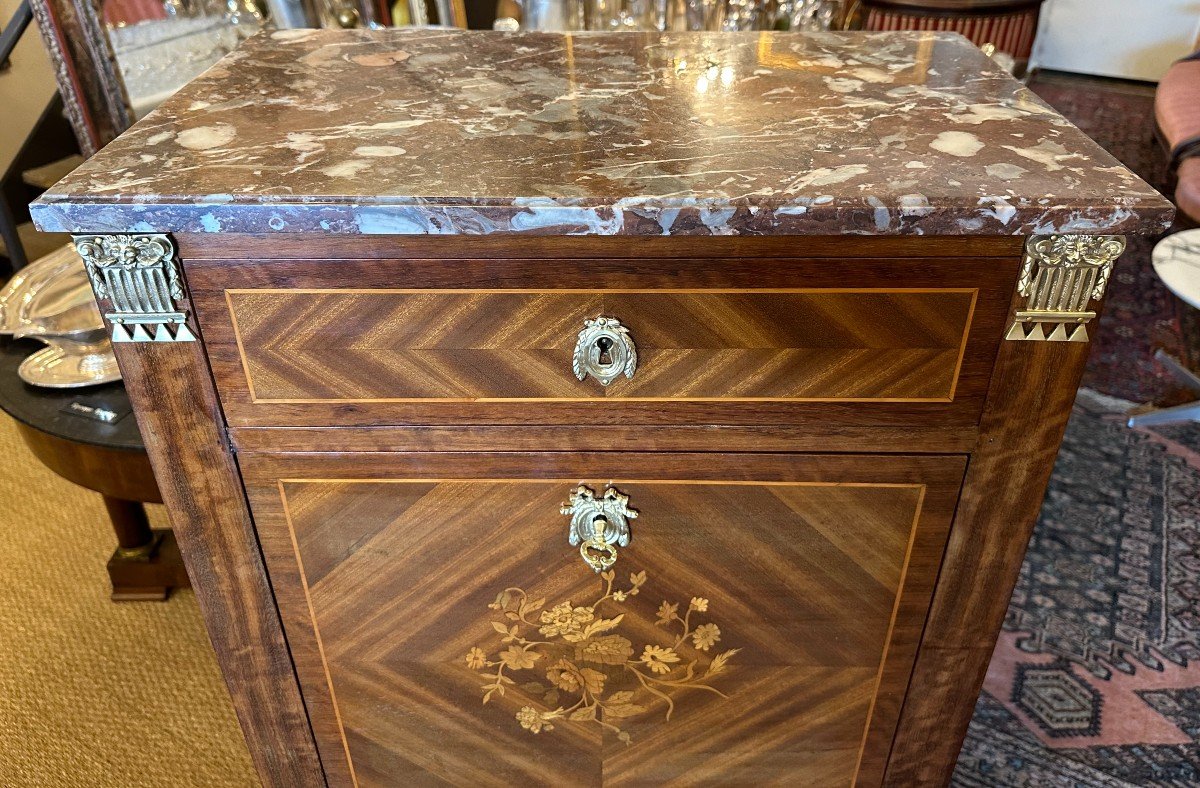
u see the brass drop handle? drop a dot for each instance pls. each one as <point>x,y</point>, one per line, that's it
<point>596,551</point>
<point>604,350</point>
<point>598,524</point>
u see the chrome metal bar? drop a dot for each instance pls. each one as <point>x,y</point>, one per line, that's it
<point>1182,373</point>
<point>1180,414</point>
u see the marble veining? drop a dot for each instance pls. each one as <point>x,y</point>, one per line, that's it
<point>445,132</point>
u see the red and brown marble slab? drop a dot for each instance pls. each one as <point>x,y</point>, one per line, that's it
<point>456,132</point>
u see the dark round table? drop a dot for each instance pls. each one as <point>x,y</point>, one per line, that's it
<point>89,436</point>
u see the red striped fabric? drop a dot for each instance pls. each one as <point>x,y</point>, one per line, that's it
<point>1011,33</point>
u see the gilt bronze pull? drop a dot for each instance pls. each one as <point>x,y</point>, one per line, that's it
<point>598,524</point>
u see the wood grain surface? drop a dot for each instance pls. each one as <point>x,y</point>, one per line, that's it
<point>285,246</point>
<point>116,473</point>
<point>384,559</point>
<point>380,345</point>
<point>176,406</point>
<point>813,436</point>
<point>720,341</point>
<point>385,566</point>
<point>1030,401</point>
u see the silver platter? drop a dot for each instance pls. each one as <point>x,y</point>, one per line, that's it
<point>51,300</point>
<point>54,367</point>
<point>17,296</point>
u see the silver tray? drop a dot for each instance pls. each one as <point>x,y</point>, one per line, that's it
<point>51,300</point>
<point>54,367</point>
<point>16,295</point>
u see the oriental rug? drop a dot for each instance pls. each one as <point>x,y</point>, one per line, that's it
<point>1096,678</point>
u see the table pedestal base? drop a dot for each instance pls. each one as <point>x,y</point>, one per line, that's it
<point>146,564</point>
<point>148,577</point>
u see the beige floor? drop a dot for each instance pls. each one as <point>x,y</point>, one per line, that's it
<point>94,693</point>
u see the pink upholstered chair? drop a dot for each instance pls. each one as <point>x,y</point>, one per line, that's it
<point>1177,116</point>
<point>1177,257</point>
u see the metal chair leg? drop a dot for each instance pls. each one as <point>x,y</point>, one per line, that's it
<point>1181,373</point>
<point>1180,414</point>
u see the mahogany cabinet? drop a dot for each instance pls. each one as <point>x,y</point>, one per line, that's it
<point>787,459</point>
<point>392,568</point>
<point>491,482</point>
<point>445,631</point>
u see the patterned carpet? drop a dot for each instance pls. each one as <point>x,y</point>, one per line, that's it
<point>1096,678</point>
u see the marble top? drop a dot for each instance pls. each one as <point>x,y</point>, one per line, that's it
<point>1177,262</point>
<point>440,131</point>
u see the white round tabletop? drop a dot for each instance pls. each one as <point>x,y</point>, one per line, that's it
<point>1177,262</point>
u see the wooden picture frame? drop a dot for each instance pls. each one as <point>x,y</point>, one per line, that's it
<point>93,93</point>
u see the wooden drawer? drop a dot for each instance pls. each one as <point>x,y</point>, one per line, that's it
<point>767,341</point>
<point>760,627</point>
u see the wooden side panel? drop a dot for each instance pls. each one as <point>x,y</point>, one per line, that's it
<point>392,569</point>
<point>176,406</point>
<point>1028,406</point>
<point>812,437</point>
<point>386,344</point>
<point>725,341</point>
<point>284,246</point>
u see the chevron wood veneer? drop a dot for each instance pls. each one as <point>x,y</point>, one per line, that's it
<point>389,584</point>
<point>723,338</point>
<point>369,345</point>
<point>823,624</point>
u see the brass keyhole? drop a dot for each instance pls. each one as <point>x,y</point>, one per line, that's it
<point>604,350</point>
<point>598,524</point>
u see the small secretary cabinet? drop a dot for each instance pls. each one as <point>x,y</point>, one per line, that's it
<point>507,444</point>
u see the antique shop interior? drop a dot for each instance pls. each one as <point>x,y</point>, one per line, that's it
<point>600,392</point>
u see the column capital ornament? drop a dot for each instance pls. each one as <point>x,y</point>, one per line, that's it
<point>1061,276</point>
<point>139,276</point>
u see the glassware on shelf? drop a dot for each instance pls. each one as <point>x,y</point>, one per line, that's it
<point>430,13</point>
<point>157,57</point>
<point>546,15</point>
<point>291,13</point>
<point>807,14</point>
<point>245,12</point>
<point>675,15</point>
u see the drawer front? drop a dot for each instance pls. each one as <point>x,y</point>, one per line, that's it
<point>759,626</point>
<point>740,350</point>
<point>382,345</point>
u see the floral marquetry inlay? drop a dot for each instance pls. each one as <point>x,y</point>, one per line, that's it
<point>576,660</point>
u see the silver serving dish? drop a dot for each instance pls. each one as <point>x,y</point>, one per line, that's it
<point>60,367</point>
<point>53,303</point>
<point>15,296</point>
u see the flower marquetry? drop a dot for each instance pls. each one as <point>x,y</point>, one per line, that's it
<point>593,674</point>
